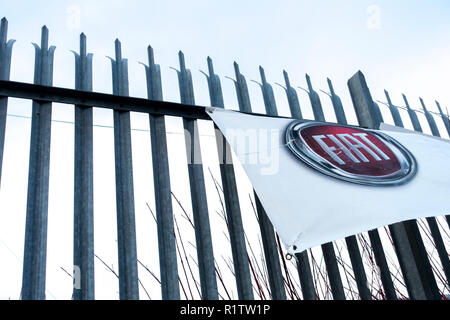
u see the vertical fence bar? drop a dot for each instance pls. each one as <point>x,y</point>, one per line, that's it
<point>375,240</point>
<point>198,192</point>
<point>126,225</point>
<point>412,228</point>
<point>377,246</point>
<point>445,118</point>
<point>303,265</point>
<point>352,242</point>
<point>315,101</point>
<point>422,260</point>
<point>380,259</point>
<point>235,227</point>
<point>83,184</point>
<point>413,116</point>
<point>270,246</point>
<point>417,127</point>
<point>337,104</point>
<point>294,104</point>
<point>241,90</point>
<point>35,250</point>
<point>5,69</point>
<point>305,276</point>
<point>161,176</point>
<point>430,120</point>
<point>394,111</point>
<point>368,117</point>
<point>432,223</point>
<point>278,293</point>
<point>377,110</point>
<point>327,248</point>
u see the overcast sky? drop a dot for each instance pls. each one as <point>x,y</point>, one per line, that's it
<point>400,45</point>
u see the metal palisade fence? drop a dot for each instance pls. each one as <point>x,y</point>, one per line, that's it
<point>422,279</point>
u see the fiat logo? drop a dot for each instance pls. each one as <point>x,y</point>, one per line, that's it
<point>350,153</point>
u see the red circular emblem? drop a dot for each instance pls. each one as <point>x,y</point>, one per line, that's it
<point>350,153</point>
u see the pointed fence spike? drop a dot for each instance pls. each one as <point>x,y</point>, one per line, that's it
<point>439,106</point>
<point>330,85</point>
<point>236,70</point>
<point>151,56</point>
<point>423,104</point>
<point>44,38</point>
<point>210,66</point>
<point>83,45</point>
<point>3,30</point>
<point>182,61</point>
<point>263,75</point>
<point>388,97</point>
<point>34,261</point>
<point>406,101</point>
<point>286,79</point>
<point>308,80</point>
<point>118,49</point>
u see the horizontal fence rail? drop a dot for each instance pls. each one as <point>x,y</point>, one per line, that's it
<point>417,269</point>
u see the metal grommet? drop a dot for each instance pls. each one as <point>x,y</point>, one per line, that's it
<point>289,257</point>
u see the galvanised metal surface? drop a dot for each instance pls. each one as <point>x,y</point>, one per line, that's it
<point>303,264</point>
<point>161,177</point>
<point>422,261</point>
<point>435,131</point>
<point>5,68</point>
<point>83,251</point>
<point>378,115</point>
<point>411,226</point>
<point>337,104</point>
<point>430,120</point>
<point>271,253</point>
<point>413,116</point>
<point>35,251</point>
<point>334,276</point>
<point>292,96</point>
<point>241,90</point>
<point>267,92</point>
<point>235,227</point>
<point>198,192</point>
<point>305,275</point>
<point>409,246</point>
<point>329,254</point>
<point>126,225</point>
<point>100,100</point>
<point>394,111</point>
<point>445,118</point>
<point>352,242</point>
<point>362,101</point>
<point>380,259</point>
<point>315,101</point>
<point>432,223</point>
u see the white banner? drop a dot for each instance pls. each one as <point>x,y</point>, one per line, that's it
<point>322,182</point>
